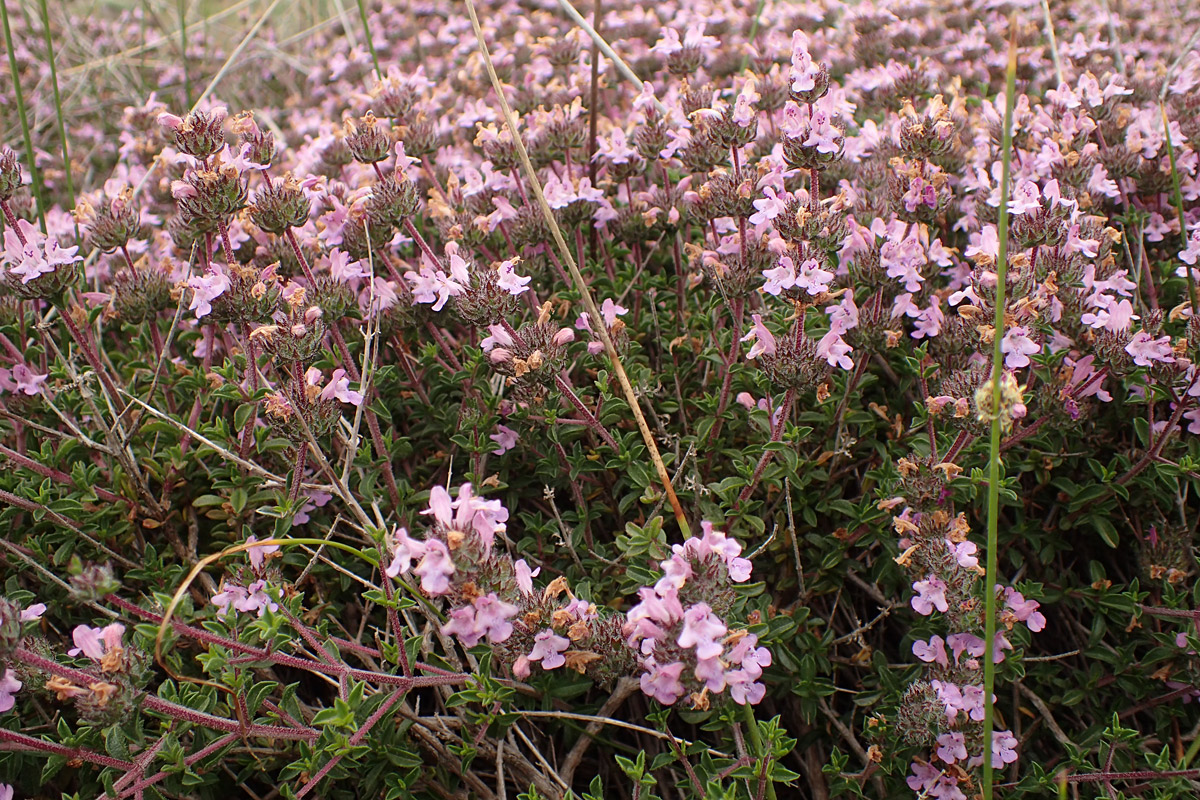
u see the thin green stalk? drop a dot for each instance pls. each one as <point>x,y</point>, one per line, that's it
<point>1183,233</point>
<point>757,744</point>
<point>762,4</point>
<point>62,128</point>
<point>20,98</point>
<point>362,12</point>
<point>989,581</point>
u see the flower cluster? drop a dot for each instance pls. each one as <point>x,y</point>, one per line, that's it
<point>684,645</point>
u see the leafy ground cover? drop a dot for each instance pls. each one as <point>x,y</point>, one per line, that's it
<point>689,400</point>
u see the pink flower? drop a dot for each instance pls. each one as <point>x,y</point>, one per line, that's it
<point>1025,198</point>
<point>1018,347</point>
<point>964,553</point>
<point>931,594</point>
<point>9,685</point>
<point>548,648</point>
<point>1145,349</point>
<point>662,683</point>
<point>487,616</point>
<point>435,568</point>
<point>485,517</point>
<point>225,599</point>
<point>952,746</point>
<point>924,777</point>
<point>835,351</point>
<point>343,270</point>
<point>764,341</point>
<point>967,643</point>
<point>169,121</point>
<point>499,336</point>
<point>804,72</point>
<point>1025,610</point>
<point>1191,253</point>
<point>258,553</point>
<point>510,281</point>
<point>207,288</point>
<point>404,551</point>
<point>505,439</point>
<point>744,689</point>
<point>769,207</point>
<point>95,643</point>
<point>701,630</point>
<point>525,576</point>
<point>38,255</point>
<point>1003,748</point>
<point>339,387</point>
<point>744,112</point>
<point>21,379</point>
<point>932,651</point>
<point>255,599</point>
<point>749,657</point>
<point>33,612</point>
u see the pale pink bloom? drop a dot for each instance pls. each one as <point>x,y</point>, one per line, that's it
<point>1145,349</point>
<point>1018,347</point>
<point>931,594</point>
<point>764,341</point>
<point>932,651</point>
<point>770,206</point>
<point>343,270</point>
<point>256,599</point>
<point>9,685</point>
<point>435,568</point>
<point>662,683</point>
<point>499,336</point>
<point>1025,610</point>
<point>743,688</point>
<point>548,648</point>
<point>751,658</point>
<point>702,630</point>
<point>505,439</point>
<point>1003,748</point>
<point>964,553</point>
<point>339,387</point>
<point>952,746</point>
<point>1191,253</point>
<point>405,550</point>
<point>835,351</point>
<point>21,379</point>
<point>39,255</point>
<point>967,643</point>
<point>510,281</point>
<point>525,576</point>
<point>1025,198</point>
<point>804,71</point>
<point>33,612</point>
<point>96,642</point>
<point>258,553</point>
<point>487,616</point>
<point>207,288</point>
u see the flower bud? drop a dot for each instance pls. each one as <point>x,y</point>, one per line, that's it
<point>368,141</point>
<point>199,135</point>
<point>280,206</point>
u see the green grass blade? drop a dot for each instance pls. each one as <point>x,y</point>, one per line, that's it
<point>34,172</point>
<point>989,625</point>
<point>58,112</point>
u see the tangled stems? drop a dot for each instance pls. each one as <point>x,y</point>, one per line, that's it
<point>993,511</point>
